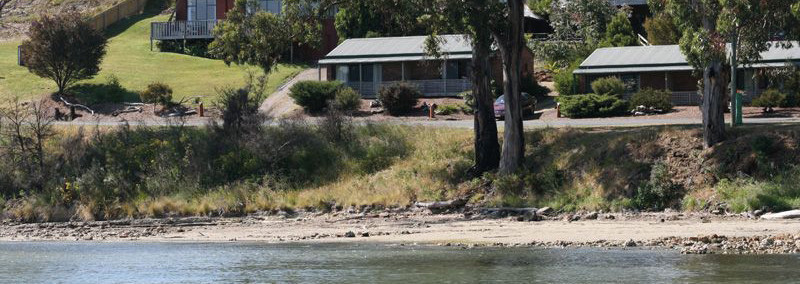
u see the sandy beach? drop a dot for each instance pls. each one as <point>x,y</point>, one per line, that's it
<point>672,230</point>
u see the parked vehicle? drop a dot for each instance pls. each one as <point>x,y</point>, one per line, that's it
<point>528,105</point>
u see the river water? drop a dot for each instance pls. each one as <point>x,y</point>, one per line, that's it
<point>350,263</point>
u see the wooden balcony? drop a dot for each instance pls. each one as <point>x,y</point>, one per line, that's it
<point>182,30</point>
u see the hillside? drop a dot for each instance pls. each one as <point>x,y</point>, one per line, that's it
<point>20,12</point>
<point>130,60</point>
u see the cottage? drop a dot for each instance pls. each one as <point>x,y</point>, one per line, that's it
<point>665,68</point>
<point>367,64</point>
<point>196,19</point>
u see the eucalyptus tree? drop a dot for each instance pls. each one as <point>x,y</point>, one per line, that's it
<point>476,19</point>
<point>706,26</point>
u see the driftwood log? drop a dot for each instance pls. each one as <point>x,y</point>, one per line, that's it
<point>442,205</point>
<point>71,105</point>
<point>793,214</point>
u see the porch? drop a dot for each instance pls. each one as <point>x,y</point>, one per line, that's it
<point>178,30</point>
<point>428,88</point>
<point>432,78</point>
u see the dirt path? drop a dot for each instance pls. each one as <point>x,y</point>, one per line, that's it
<point>279,104</point>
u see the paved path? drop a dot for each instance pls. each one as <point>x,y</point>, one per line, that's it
<point>602,122</point>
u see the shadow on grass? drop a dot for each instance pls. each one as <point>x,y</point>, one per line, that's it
<point>153,8</point>
<point>92,94</point>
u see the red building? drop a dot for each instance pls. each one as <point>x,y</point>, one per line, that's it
<point>196,19</point>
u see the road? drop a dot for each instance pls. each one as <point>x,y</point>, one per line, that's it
<point>599,122</point>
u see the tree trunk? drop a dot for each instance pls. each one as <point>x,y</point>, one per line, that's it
<point>487,147</point>
<point>713,107</point>
<point>511,50</point>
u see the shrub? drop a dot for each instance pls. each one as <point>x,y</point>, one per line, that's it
<point>770,99</point>
<point>659,192</point>
<point>530,86</point>
<point>347,100</point>
<point>650,98</point>
<point>564,81</point>
<point>313,96</point>
<point>398,98</point>
<point>157,93</point>
<point>64,48</point>
<point>608,86</point>
<point>449,109</point>
<point>591,105</point>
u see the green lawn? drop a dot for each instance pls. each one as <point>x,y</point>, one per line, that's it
<point>130,60</point>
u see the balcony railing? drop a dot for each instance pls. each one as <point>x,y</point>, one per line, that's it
<point>428,88</point>
<point>182,30</point>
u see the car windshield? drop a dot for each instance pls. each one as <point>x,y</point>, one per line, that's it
<point>502,98</point>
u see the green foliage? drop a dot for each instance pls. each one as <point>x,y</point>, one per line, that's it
<point>314,96</point>
<point>659,192</point>
<point>565,82</point>
<point>619,31</point>
<point>347,100</point>
<point>533,88</point>
<point>779,193</point>
<point>661,30</point>
<point>650,98</point>
<point>376,18</point>
<point>770,99</point>
<point>608,86</point>
<point>540,7</point>
<point>398,98</point>
<point>157,93</point>
<point>592,105</point>
<point>259,38</point>
<point>193,47</point>
<point>64,48</point>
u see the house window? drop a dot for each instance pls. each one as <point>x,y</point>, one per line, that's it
<point>367,72</point>
<point>192,10</point>
<point>631,82</point>
<point>353,73</point>
<point>453,70</point>
<point>272,6</point>
<point>342,73</point>
<point>201,10</point>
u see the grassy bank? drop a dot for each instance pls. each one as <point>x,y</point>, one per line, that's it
<point>130,60</point>
<point>148,172</point>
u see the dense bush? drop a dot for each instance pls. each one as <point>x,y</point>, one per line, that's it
<point>192,47</point>
<point>770,99</point>
<point>565,83</point>
<point>314,96</point>
<point>591,105</point>
<point>608,86</point>
<point>109,174</point>
<point>650,98</point>
<point>157,93</point>
<point>398,98</point>
<point>659,192</point>
<point>533,88</point>
<point>347,100</point>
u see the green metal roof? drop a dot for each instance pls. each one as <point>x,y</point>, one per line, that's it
<point>633,59</point>
<point>395,49</point>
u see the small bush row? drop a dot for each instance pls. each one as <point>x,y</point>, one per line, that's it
<point>317,96</point>
<point>592,105</point>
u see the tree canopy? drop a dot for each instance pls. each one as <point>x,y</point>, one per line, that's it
<point>619,31</point>
<point>64,48</point>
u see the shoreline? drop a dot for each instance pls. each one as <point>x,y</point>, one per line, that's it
<point>689,233</point>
